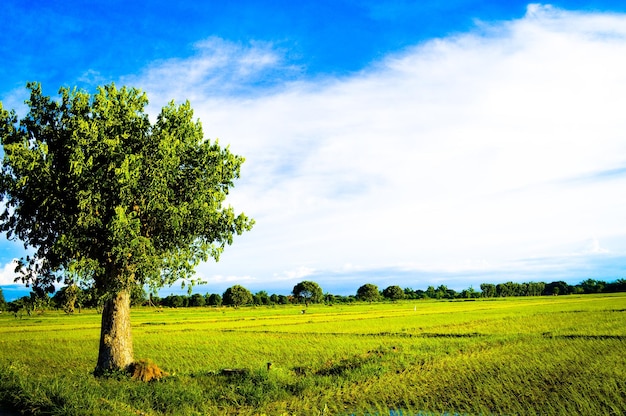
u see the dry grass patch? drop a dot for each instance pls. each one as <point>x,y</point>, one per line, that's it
<point>146,370</point>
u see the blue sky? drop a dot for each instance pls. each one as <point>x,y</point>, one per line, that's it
<point>401,142</point>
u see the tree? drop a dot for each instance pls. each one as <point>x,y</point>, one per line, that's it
<point>308,292</point>
<point>213,299</point>
<point>488,289</point>
<point>368,292</point>
<point>138,296</point>
<point>617,286</point>
<point>237,296</point>
<point>409,293</point>
<point>393,293</point>
<point>3,302</point>
<point>261,298</point>
<point>67,297</point>
<point>173,301</point>
<point>442,292</point>
<point>430,292</point>
<point>535,288</point>
<point>329,298</point>
<point>504,289</point>
<point>469,293</point>
<point>197,300</point>
<point>593,286</point>
<point>102,195</point>
<point>557,288</point>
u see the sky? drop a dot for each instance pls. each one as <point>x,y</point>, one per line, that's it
<point>398,142</point>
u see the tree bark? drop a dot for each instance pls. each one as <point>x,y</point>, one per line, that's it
<point>116,342</point>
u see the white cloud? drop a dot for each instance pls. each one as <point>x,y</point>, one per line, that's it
<point>14,100</point>
<point>295,274</point>
<point>456,154</point>
<point>231,279</point>
<point>217,68</point>
<point>593,247</point>
<point>7,274</point>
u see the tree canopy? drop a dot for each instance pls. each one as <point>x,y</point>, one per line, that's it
<point>393,292</point>
<point>236,296</point>
<point>308,292</point>
<point>104,196</point>
<point>368,292</point>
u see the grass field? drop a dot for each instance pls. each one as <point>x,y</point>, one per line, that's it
<point>539,355</point>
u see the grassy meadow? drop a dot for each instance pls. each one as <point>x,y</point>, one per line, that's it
<point>535,355</point>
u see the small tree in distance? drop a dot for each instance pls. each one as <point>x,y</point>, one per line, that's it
<point>213,299</point>
<point>237,296</point>
<point>197,300</point>
<point>308,292</point>
<point>393,293</point>
<point>368,293</point>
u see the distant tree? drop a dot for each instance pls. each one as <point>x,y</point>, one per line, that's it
<point>430,292</point>
<point>37,301</point>
<point>66,297</point>
<point>213,299</point>
<point>138,295</point>
<point>442,292</point>
<point>261,298</point>
<point>519,289</point>
<point>368,293</point>
<point>103,195</point>
<point>409,293</point>
<point>469,293</point>
<point>173,301</point>
<point>19,304</point>
<point>535,288</point>
<point>503,290</point>
<point>617,286</point>
<point>308,292</point>
<point>197,300</point>
<point>3,302</point>
<point>593,286</point>
<point>393,293</point>
<point>237,296</point>
<point>343,299</point>
<point>418,294</point>
<point>71,296</point>
<point>557,288</point>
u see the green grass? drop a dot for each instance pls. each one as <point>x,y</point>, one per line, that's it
<point>542,355</point>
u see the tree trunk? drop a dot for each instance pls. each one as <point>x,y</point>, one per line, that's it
<point>116,341</point>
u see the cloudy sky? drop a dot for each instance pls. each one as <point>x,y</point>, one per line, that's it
<point>392,142</point>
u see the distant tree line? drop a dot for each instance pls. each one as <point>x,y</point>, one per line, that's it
<point>72,298</point>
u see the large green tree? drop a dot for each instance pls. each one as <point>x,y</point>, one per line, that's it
<point>101,195</point>
<point>236,296</point>
<point>488,289</point>
<point>368,292</point>
<point>309,292</point>
<point>393,292</point>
